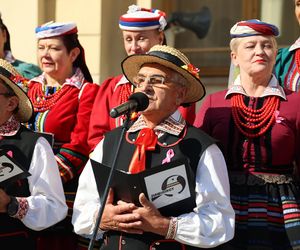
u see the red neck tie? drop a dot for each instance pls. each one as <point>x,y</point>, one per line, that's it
<point>146,140</point>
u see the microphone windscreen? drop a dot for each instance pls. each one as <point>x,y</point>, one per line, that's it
<point>141,99</point>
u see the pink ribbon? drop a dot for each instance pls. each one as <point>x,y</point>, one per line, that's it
<point>278,118</point>
<point>169,156</point>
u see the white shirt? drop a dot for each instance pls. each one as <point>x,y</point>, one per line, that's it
<point>47,204</point>
<point>211,222</point>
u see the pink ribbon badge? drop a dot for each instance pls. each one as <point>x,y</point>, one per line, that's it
<point>278,118</point>
<point>169,156</point>
<point>10,153</point>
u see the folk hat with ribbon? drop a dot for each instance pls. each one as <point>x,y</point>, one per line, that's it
<point>11,77</point>
<point>170,58</point>
<point>52,29</point>
<point>138,18</point>
<point>253,27</point>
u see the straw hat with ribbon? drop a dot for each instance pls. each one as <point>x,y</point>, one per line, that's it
<point>170,58</point>
<point>11,77</point>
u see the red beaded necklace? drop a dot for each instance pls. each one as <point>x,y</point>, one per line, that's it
<point>248,119</point>
<point>42,102</point>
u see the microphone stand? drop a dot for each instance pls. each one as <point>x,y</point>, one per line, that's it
<point>109,181</point>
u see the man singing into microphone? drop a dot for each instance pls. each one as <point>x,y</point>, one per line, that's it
<point>159,136</point>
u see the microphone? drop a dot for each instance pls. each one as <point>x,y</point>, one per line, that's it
<point>136,102</point>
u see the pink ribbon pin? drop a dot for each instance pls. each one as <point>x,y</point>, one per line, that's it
<point>170,155</point>
<point>278,118</point>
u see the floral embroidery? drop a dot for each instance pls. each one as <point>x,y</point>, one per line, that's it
<point>192,69</point>
<point>10,127</point>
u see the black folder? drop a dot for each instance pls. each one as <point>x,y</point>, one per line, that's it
<point>167,186</point>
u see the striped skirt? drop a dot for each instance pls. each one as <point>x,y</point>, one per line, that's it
<point>267,211</point>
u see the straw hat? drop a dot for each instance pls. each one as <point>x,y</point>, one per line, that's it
<point>11,77</point>
<point>170,58</point>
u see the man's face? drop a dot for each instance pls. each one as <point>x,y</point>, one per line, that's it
<point>7,104</point>
<point>140,42</point>
<point>164,98</point>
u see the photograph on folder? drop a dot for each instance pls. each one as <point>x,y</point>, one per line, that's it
<point>170,185</point>
<point>10,170</point>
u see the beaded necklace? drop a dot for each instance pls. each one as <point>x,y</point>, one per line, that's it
<point>43,102</point>
<point>248,119</point>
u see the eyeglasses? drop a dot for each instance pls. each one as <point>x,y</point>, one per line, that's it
<point>152,80</point>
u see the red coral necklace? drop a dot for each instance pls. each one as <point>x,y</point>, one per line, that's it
<point>42,102</point>
<point>247,119</point>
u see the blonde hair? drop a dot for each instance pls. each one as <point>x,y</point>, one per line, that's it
<point>235,42</point>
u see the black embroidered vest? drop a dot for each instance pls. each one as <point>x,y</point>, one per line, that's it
<point>22,146</point>
<point>190,144</point>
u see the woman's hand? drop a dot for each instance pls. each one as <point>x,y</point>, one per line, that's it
<point>120,217</point>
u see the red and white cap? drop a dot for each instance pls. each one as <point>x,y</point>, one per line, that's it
<point>51,29</point>
<point>138,18</point>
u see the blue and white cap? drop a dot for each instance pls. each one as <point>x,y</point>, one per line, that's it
<point>253,27</point>
<point>138,18</point>
<point>52,29</point>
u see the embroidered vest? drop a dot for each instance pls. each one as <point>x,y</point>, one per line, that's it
<point>22,146</point>
<point>190,146</point>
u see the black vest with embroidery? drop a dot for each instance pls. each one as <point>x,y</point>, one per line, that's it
<point>190,144</point>
<point>21,146</point>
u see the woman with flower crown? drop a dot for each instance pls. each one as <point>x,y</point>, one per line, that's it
<point>257,124</point>
<point>62,98</point>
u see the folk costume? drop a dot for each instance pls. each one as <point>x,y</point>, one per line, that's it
<point>39,194</point>
<point>287,67</point>
<point>209,222</point>
<point>64,111</point>
<point>116,90</point>
<point>260,139</point>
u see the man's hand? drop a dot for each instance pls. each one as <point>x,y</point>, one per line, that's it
<point>120,217</point>
<point>152,220</point>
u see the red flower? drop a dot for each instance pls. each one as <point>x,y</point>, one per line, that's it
<point>192,69</point>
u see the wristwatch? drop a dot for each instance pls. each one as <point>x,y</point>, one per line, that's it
<point>12,206</point>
